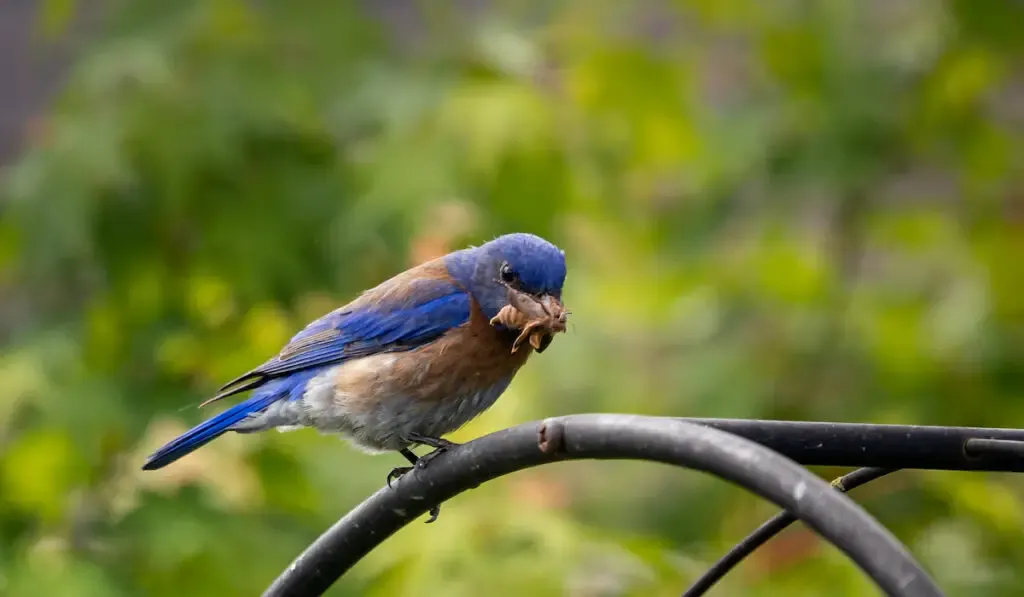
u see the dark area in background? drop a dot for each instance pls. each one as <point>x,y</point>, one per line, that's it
<point>31,71</point>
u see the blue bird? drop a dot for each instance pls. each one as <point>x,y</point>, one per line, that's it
<point>403,364</point>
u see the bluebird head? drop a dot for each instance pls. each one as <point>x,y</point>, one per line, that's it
<point>525,262</point>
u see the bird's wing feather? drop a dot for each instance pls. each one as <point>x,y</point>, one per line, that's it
<point>402,314</point>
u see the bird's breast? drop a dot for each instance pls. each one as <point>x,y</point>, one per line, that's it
<point>379,400</point>
<point>466,361</point>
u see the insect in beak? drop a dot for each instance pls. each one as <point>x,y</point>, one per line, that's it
<point>538,318</point>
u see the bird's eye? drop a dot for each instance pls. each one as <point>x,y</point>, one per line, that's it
<point>507,274</point>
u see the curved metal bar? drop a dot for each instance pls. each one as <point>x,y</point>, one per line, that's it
<point>769,529</point>
<point>609,437</point>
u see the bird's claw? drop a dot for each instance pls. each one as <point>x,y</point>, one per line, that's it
<point>426,458</point>
<point>396,473</point>
<point>434,513</point>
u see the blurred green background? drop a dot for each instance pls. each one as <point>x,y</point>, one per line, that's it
<point>788,209</point>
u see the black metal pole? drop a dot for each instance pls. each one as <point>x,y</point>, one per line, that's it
<point>769,529</point>
<point>884,446</point>
<point>671,441</point>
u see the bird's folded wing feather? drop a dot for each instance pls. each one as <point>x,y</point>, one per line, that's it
<point>410,313</point>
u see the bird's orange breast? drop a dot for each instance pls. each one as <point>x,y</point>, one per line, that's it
<point>471,357</point>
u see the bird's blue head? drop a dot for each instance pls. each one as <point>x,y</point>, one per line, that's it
<point>523,261</point>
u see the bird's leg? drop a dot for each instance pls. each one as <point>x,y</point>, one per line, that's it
<point>398,471</point>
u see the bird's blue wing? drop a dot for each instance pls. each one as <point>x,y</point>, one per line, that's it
<point>408,311</point>
<point>386,320</point>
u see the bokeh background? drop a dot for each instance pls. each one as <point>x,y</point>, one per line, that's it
<point>789,209</point>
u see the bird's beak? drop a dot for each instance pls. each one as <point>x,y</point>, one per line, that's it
<point>554,307</point>
<point>559,316</point>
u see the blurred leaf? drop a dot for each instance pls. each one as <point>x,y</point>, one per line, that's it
<point>38,472</point>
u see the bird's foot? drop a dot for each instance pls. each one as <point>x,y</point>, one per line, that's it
<point>434,442</point>
<point>421,462</point>
<point>440,446</point>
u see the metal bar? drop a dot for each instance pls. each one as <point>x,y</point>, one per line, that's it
<point>979,447</point>
<point>769,529</point>
<point>609,437</point>
<point>883,446</point>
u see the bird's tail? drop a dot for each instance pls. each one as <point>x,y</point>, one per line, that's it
<point>209,430</point>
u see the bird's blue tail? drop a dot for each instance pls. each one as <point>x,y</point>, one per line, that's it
<point>209,430</point>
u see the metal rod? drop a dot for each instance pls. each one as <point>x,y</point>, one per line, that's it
<point>883,446</point>
<point>609,437</point>
<point>978,447</point>
<point>769,529</point>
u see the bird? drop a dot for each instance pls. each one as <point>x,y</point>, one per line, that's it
<point>403,364</point>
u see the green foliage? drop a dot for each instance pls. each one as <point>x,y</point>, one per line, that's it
<point>794,209</point>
